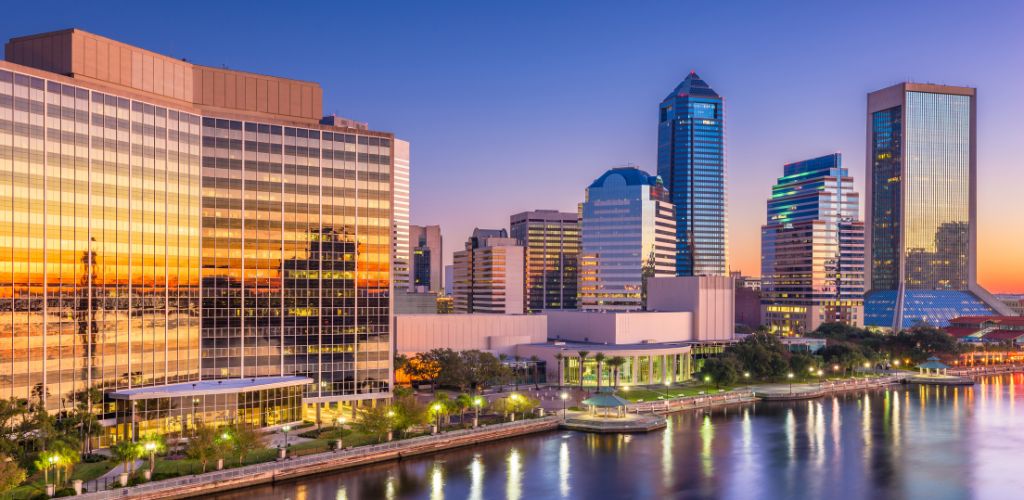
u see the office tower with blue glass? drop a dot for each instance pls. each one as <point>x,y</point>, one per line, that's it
<point>628,236</point>
<point>691,160</point>
<point>921,233</point>
<point>812,249</point>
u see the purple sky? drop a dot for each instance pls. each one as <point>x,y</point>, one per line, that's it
<point>519,105</point>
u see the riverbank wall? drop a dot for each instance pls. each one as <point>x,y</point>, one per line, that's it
<point>673,405</point>
<point>252,475</point>
<point>977,371</point>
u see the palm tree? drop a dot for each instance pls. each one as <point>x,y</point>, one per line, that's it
<point>599,357</point>
<point>616,362</point>
<point>463,402</point>
<point>559,358</point>
<point>583,356</point>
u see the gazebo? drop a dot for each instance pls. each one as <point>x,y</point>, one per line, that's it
<point>606,400</point>
<point>933,366</point>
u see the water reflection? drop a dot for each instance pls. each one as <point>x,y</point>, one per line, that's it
<point>903,443</point>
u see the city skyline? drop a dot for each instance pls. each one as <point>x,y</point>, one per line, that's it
<point>454,78</point>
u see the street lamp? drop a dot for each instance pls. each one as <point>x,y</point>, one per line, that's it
<point>564,397</point>
<point>477,403</point>
<point>151,449</point>
<point>514,397</point>
<point>790,377</point>
<point>391,424</point>
<point>285,429</point>
<point>436,408</point>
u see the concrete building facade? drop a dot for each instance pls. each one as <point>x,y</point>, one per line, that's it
<point>494,333</point>
<point>489,274</point>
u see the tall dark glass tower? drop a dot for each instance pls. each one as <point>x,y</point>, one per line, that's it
<point>921,207</point>
<point>691,160</point>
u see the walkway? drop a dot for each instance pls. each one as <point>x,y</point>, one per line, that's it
<point>240,477</point>
<point>112,476</point>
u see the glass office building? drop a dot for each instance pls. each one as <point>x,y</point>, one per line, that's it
<point>628,235</point>
<point>921,207</point>
<point>171,223</point>
<point>691,160</point>
<point>552,242</point>
<point>812,249</point>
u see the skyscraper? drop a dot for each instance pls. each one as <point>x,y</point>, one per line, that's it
<point>812,249</point>
<point>489,274</point>
<point>921,207</point>
<point>402,262</point>
<point>691,161</point>
<point>552,242</point>
<point>426,271</point>
<point>628,235</point>
<point>198,243</point>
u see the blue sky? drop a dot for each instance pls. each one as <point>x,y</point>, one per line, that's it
<point>512,106</point>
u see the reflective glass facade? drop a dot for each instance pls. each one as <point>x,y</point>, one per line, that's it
<point>812,249</point>
<point>921,172</point>
<point>179,416</point>
<point>99,241</point>
<point>296,251</point>
<point>153,234</point>
<point>628,235</point>
<point>552,242</point>
<point>691,160</point>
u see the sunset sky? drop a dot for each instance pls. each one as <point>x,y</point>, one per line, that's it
<point>512,109</point>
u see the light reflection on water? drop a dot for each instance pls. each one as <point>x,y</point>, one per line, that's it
<point>907,442</point>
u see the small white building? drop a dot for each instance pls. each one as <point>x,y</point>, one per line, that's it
<point>495,333</point>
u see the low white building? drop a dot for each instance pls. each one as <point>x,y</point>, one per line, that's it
<point>495,333</point>
<point>711,299</point>
<point>615,328</point>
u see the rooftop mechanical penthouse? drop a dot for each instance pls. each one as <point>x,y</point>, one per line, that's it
<point>198,232</point>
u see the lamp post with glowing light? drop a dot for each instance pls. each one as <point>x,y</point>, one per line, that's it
<point>391,425</point>
<point>564,397</point>
<point>151,449</point>
<point>341,432</point>
<point>285,430</point>
<point>790,377</point>
<point>436,408</point>
<point>477,403</point>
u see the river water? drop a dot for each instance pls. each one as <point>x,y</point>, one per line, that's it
<point>905,442</point>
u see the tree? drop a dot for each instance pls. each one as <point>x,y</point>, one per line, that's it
<point>515,403</point>
<point>375,422</point>
<point>761,354</point>
<point>616,363</point>
<point>401,362</point>
<point>10,475</point>
<point>152,445</point>
<point>599,357</point>
<point>802,364</point>
<point>724,370</point>
<point>462,404</point>
<point>245,439</point>
<point>478,369</point>
<point>127,452</point>
<point>205,445</point>
<point>408,412</point>
<point>583,357</point>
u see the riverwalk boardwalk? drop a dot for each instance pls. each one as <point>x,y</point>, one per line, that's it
<point>251,475</point>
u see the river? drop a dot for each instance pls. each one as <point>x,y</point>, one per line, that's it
<point>904,442</point>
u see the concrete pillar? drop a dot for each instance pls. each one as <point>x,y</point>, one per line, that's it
<point>650,369</point>
<point>634,366</point>
<point>664,368</point>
